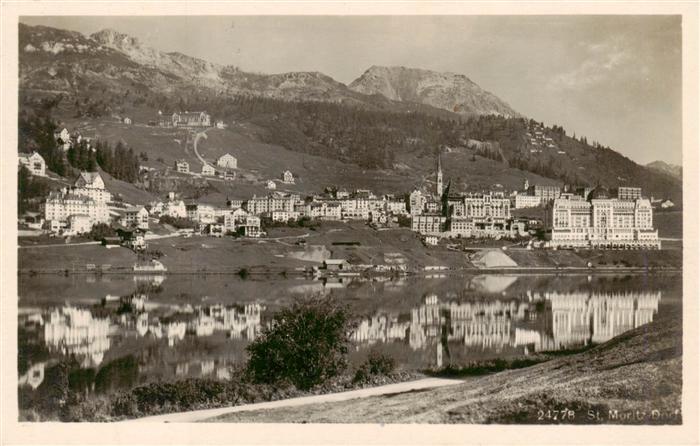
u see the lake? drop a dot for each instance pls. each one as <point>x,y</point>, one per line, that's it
<point>123,330</point>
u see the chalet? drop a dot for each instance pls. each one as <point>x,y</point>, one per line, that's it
<point>208,170</point>
<point>271,185</point>
<point>182,166</point>
<point>667,204</point>
<point>34,163</point>
<point>127,121</point>
<point>287,177</point>
<point>335,264</point>
<point>33,220</point>
<point>133,238</point>
<point>90,180</point>
<point>227,161</point>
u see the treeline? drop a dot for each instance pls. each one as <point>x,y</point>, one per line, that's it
<point>36,132</point>
<point>30,190</point>
<point>121,161</point>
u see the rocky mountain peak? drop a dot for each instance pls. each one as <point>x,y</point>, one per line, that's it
<point>448,91</point>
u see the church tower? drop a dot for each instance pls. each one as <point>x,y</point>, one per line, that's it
<point>439,177</point>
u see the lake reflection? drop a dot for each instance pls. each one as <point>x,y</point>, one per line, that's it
<point>160,329</point>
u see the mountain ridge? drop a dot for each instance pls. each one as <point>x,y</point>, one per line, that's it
<point>161,68</point>
<point>445,90</point>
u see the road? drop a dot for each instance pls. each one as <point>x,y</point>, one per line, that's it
<point>199,135</point>
<point>207,414</point>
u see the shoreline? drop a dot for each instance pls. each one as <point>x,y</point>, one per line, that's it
<point>426,274</point>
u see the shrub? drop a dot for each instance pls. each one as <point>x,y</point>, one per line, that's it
<point>305,345</point>
<point>376,364</point>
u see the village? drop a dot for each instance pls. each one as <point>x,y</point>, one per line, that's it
<point>535,217</point>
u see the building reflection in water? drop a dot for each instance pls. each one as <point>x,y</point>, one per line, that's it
<point>75,332</point>
<point>437,331</point>
<point>539,322</point>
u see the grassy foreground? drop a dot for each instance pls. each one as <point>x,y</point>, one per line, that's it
<point>635,378</point>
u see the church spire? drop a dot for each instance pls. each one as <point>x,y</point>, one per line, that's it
<point>439,176</point>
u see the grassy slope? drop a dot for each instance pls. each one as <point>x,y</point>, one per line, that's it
<point>259,161</point>
<point>638,370</point>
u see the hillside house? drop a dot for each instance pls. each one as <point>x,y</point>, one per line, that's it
<point>34,163</point>
<point>271,185</point>
<point>220,124</point>
<point>208,170</point>
<point>136,216</point>
<point>227,161</point>
<point>63,139</point>
<point>186,119</point>
<point>182,166</point>
<point>287,177</point>
<point>667,204</point>
<point>127,121</point>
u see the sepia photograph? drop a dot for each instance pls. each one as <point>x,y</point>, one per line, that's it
<point>349,219</point>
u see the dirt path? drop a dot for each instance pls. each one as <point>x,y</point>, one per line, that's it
<point>390,389</point>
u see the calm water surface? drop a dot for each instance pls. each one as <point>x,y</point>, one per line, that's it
<point>119,331</point>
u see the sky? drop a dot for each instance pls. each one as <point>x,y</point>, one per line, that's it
<point>615,79</point>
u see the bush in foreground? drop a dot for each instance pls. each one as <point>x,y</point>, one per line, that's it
<point>305,345</point>
<point>376,364</point>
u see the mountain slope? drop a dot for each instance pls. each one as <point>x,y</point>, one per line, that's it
<point>666,168</point>
<point>448,91</point>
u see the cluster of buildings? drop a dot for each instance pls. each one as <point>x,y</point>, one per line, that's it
<point>75,210</point>
<point>588,218</point>
<point>538,139</point>
<point>445,214</point>
<point>602,220</point>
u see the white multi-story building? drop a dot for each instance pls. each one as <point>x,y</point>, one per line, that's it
<point>428,224</point>
<point>601,222</point>
<point>227,161</point>
<point>34,163</point>
<point>91,184</point>
<point>629,193</point>
<point>182,166</point>
<point>284,216</point>
<point>136,216</point>
<point>201,213</point>
<point>273,202</point>
<point>288,177</point>
<point>325,210</point>
<point>61,205</point>
<point>527,201</point>
<point>208,170</point>
<point>416,202</point>
<point>250,224</point>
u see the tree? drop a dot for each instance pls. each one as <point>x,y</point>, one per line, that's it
<point>306,344</point>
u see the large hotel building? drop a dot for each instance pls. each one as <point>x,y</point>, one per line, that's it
<point>601,222</point>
